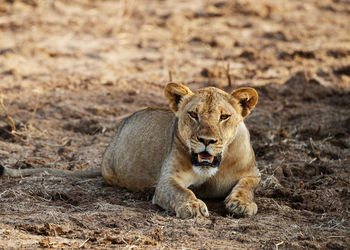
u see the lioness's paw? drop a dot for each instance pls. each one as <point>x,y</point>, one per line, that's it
<point>241,207</point>
<point>192,209</point>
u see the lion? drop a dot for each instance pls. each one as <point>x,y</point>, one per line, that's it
<point>198,149</point>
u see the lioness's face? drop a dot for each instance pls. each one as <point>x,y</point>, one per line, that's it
<point>207,123</point>
<point>208,119</point>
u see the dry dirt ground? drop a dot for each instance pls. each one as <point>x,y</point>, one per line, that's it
<point>70,69</point>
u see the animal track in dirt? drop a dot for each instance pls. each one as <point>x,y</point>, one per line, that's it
<point>345,70</point>
<point>45,230</point>
<point>7,135</point>
<point>84,126</point>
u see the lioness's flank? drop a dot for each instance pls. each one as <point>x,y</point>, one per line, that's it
<point>199,148</point>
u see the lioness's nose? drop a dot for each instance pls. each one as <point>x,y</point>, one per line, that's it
<point>206,141</point>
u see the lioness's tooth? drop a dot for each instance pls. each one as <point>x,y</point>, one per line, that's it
<point>211,158</point>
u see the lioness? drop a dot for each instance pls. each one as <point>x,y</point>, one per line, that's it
<point>199,147</point>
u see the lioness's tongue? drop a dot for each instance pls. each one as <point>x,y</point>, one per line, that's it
<point>205,156</point>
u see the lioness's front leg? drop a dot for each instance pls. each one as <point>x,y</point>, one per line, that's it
<point>172,194</point>
<point>241,199</point>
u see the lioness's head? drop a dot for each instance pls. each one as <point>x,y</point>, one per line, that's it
<point>208,119</point>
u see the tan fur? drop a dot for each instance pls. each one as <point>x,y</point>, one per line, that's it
<point>152,149</point>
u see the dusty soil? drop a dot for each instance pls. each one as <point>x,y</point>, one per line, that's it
<point>70,69</point>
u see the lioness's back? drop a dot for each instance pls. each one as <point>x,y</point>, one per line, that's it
<point>135,155</point>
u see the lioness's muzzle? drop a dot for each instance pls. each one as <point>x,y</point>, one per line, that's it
<point>205,159</point>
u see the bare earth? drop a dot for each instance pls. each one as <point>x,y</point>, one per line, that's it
<point>69,70</point>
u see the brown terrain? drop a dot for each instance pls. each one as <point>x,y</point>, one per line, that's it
<point>70,69</point>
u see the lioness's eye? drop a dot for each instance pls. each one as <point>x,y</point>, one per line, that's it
<point>193,114</point>
<point>224,117</point>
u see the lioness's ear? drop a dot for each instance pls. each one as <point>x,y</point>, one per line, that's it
<point>247,97</point>
<point>174,93</point>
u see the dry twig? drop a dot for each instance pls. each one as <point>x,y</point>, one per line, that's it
<point>278,244</point>
<point>228,76</point>
<point>9,118</point>
<point>170,72</point>
<point>82,244</point>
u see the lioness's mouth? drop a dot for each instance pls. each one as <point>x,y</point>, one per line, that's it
<point>205,156</point>
<point>205,159</point>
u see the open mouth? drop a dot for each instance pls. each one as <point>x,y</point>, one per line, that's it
<point>205,159</point>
